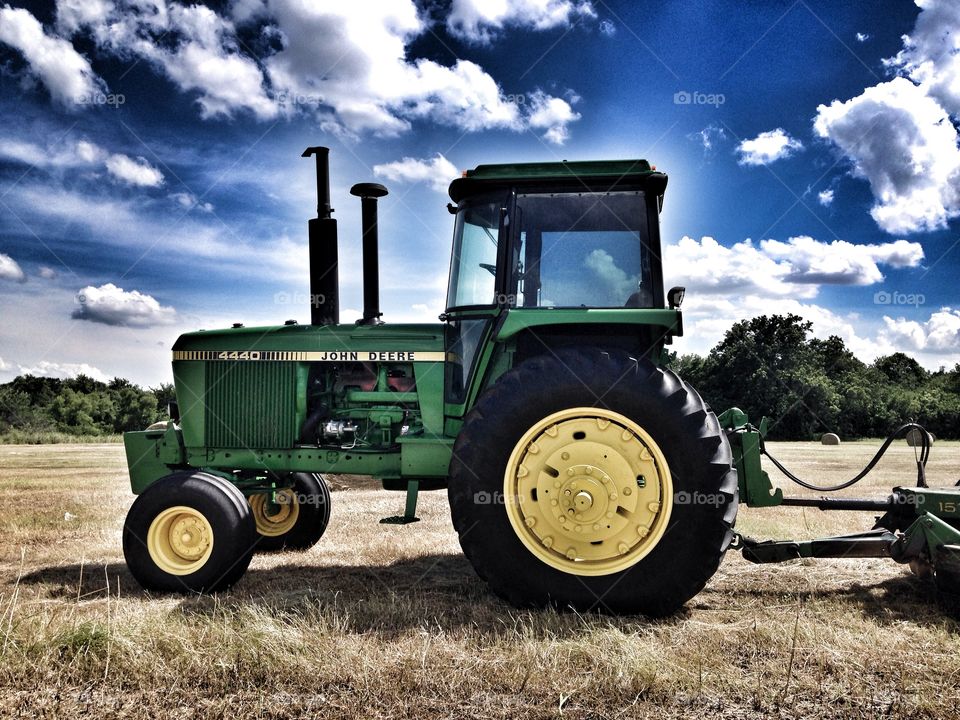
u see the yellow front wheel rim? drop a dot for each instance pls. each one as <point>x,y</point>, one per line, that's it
<point>280,522</point>
<point>180,540</point>
<point>588,491</point>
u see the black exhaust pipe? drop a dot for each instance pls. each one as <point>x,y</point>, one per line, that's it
<point>368,194</point>
<point>322,232</point>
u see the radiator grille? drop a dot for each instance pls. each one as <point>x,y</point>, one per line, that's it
<point>251,404</point>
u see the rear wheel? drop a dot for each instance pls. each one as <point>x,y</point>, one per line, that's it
<point>594,481</point>
<point>297,519</point>
<point>189,532</point>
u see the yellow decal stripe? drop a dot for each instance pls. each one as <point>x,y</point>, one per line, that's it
<point>313,356</point>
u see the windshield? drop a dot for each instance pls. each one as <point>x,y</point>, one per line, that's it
<point>582,250</point>
<point>473,265</point>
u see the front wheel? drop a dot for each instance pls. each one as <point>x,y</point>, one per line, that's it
<point>189,532</point>
<point>595,481</point>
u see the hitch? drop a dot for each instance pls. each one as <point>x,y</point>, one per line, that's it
<point>919,526</point>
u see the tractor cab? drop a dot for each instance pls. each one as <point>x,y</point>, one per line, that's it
<point>557,235</point>
<point>538,244</point>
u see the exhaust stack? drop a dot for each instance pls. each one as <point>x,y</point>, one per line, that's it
<point>322,233</point>
<point>368,194</point>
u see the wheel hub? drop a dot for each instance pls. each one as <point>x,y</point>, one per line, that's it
<point>180,540</point>
<point>274,519</point>
<point>588,491</point>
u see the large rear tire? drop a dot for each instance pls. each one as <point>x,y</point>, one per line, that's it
<point>594,481</point>
<point>302,517</point>
<point>189,532</point>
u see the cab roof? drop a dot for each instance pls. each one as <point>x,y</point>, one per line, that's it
<point>592,174</point>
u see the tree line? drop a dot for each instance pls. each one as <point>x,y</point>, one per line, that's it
<point>768,366</point>
<point>79,406</point>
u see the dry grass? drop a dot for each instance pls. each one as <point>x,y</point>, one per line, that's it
<point>382,620</point>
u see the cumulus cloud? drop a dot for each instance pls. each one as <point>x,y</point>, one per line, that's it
<point>553,115</point>
<point>479,21</point>
<point>795,268</point>
<point>189,201</point>
<point>47,273</point>
<point>111,305</point>
<point>768,147</point>
<point>931,53</point>
<point>133,171</point>
<point>614,280</point>
<point>65,73</point>
<point>63,371</point>
<point>862,37</point>
<point>82,154</point>
<point>10,270</point>
<point>939,334</point>
<point>825,197</point>
<point>360,78</point>
<point>437,171</point>
<point>903,143</point>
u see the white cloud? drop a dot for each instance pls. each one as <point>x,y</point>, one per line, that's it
<point>135,172</point>
<point>479,20</point>
<point>939,334</point>
<point>82,154</point>
<point>825,197</point>
<point>903,143</point>
<point>190,201</point>
<point>608,28</point>
<point>10,270</point>
<point>47,273</point>
<point>613,280</point>
<point>359,78</point>
<point>862,37</point>
<point>63,371</point>
<point>795,268</point>
<point>551,114</point>
<point>65,73</point>
<point>111,305</point>
<point>437,171</point>
<point>4,365</point>
<point>931,52</point>
<point>768,147</point>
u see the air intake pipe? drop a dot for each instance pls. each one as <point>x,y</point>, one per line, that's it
<point>322,233</point>
<point>368,194</point>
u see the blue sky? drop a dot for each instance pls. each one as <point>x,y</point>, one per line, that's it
<point>151,180</point>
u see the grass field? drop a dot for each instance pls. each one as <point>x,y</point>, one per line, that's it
<point>381,620</point>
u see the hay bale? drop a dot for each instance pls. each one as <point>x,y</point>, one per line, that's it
<point>915,439</point>
<point>830,439</point>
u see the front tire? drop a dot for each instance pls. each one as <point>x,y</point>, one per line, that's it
<point>594,481</point>
<point>189,532</point>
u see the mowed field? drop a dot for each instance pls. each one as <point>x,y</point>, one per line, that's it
<point>390,621</point>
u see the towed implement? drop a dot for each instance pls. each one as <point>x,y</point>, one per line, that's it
<point>580,471</point>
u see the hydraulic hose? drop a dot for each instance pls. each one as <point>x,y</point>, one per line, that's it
<point>895,435</point>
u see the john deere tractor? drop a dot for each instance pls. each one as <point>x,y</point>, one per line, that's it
<point>580,472</point>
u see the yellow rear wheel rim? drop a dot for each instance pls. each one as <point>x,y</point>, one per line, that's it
<point>588,491</point>
<point>180,540</point>
<point>280,522</point>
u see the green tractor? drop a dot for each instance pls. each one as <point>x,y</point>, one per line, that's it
<point>580,472</point>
